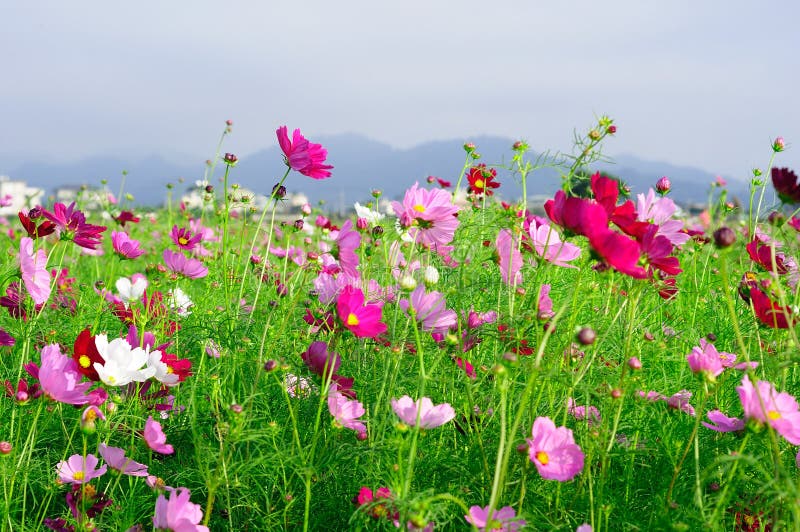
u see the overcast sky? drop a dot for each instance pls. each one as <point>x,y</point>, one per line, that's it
<point>701,83</point>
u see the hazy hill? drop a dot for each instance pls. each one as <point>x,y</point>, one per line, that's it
<point>361,164</point>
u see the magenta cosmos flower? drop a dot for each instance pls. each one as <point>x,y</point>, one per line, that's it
<point>554,451</point>
<point>72,225</point>
<point>303,156</point>
<point>79,470</point>
<point>429,309</point>
<point>317,358</point>
<point>34,271</point>
<point>115,457</point>
<point>430,416</point>
<point>502,520</point>
<point>59,377</point>
<point>178,263</point>
<point>706,359</point>
<point>364,321</point>
<point>178,513</point>
<point>184,239</point>
<point>778,410</point>
<point>125,246</point>
<point>345,411</point>
<point>155,438</point>
<point>429,216</point>
<point>344,249</point>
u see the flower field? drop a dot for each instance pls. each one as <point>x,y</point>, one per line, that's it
<point>442,360</point>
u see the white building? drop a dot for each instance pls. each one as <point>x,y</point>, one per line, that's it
<point>17,195</point>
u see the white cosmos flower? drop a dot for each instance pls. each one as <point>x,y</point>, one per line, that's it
<point>164,373</point>
<point>131,291</point>
<point>122,363</point>
<point>368,214</point>
<point>178,300</point>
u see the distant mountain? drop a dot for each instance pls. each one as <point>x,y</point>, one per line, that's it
<point>360,165</point>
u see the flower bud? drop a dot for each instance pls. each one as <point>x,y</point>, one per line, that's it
<point>663,185</point>
<point>430,275</point>
<point>362,224</point>
<point>431,179</point>
<point>611,129</point>
<point>270,365</point>
<point>306,209</point>
<point>298,224</point>
<point>229,123</point>
<point>634,363</point>
<point>586,336</point>
<point>88,419</point>
<point>776,218</point>
<point>278,191</point>
<point>594,134</point>
<point>5,447</point>
<point>469,147</point>
<point>778,145</point>
<point>230,159</point>
<point>616,393</point>
<point>407,282</point>
<point>376,193</point>
<point>724,237</point>
<point>377,231</point>
<point>237,409</point>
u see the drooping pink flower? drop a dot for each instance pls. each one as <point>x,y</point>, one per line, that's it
<point>429,309</point>
<point>723,423</point>
<point>345,411</point>
<point>115,457</point>
<point>509,258</point>
<point>430,217</point>
<point>591,414</point>
<point>59,377</point>
<point>72,225</point>
<point>155,438</point>
<point>545,303</point>
<point>34,271</point>
<point>178,263</point>
<point>344,250</point>
<point>502,520</point>
<point>303,156</point>
<point>430,416</point>
<point>554,451</point>
<point>549,246</point>
<point>778,410</point>
<point>178,513</point>
<point>79,470</point>
<point>125,246</point>
<point>680,401</point>
<point>184,239</point>
<point>362,320</point>
<point>706,359</point>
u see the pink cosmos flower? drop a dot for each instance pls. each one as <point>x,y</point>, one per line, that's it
<point>554,451</point>
<point>59,377</point>
<point>155,438</point>
<point>364,321</point>
<point>72,225</point>
<point>178,513</point>
<point>115,457</point>
<point>502,520</point>
<point>345,412</point>
<point>178,263</point>
<point>125,246</point>
<point>34,271</point>
<point>706,359</point>
<point>509,258</point>
<point>184,239</point>
<point>591,414</point>
<point>429,216</point>
<point>545,303</point>
<point>764,404</point>
<point>430,416</point>
<point>346,243</point>
<point>659,210</point>
<point>723,423</point>
<point>429,309</point>
<point>79,470</point>
<point>549,246</point>
<point>303,156</point>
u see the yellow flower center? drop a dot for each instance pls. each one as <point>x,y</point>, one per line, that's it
<point>91,415</point>
<point>773,415</point>
<point>183,241</point>
<point>78,475</point>
<point>84,361</point>
<point>479,183</point>
<point>170,370</point>
<point>352,320</point>
<point>542,457</point>
<point>419,208</point>
<point>111,379</point>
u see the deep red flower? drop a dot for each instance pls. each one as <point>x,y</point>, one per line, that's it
<point>761,254</point>
<point>769,312</point>
<point>85,354</point>
<point>785,182</point>
<point>125,217</point>
<point>481,180</point>
<point>28,222</point>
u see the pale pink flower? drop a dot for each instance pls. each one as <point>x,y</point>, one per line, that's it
<point>502,520</point>
<point>125,246</point>
<point>764,404</point>
<point>430,416</point>
<point>429,309</point>
<point>549,246</point>
<point>34,271</point>
<point>580,412</point>
<point>509,258</point>
<point>59,377</point>
<point>178,263</point>
<point>554,451</point>
<point>345,411</point>
<point>79,470</point>
<point>723,423</point>
<point>429,216</point>
<point>115,457</point>
<point>545,303</point>
<point>178,513</point>
<point>706,359</point>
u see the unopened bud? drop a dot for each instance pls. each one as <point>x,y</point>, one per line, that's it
<point>616,393</point>
<point>237,409</point>
<point>778,145</point>
<point>634,363</point>
<point>298,224</point>
<point>469,147</point>
<point>407,282</point>
<point>278,191</point>
<point>611,129</point>
<point>663,185</point>
<point>431,179</point>
<point>724,237</point>
<point>5,447</point>
<point>229,123</point>
<point>270,365</point>
<point>430,275</point>
<point>230,159</point>
<point>377,231</point>
<point>362,224</point>
<point>586,336</point>
<point>594,134</point>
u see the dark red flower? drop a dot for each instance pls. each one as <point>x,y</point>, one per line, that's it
<point>785,182</point>
<point>761,254</point>
<point>769,312</point>
<point>28,222</point>
<point>481,179</point>
<point>85,353</point>
<point>125,217</point>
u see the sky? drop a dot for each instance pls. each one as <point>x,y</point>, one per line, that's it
<point>707,84</point>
